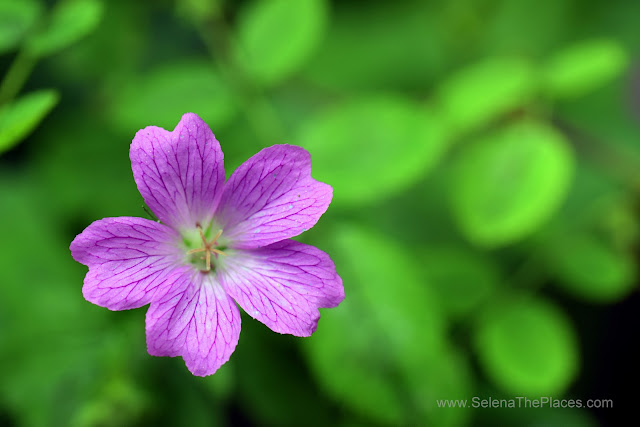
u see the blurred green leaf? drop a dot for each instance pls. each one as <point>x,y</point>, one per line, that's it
<point>481,93</point>
<point>52,334</point>
<point>20,117</point>
<point>161,96</point>
<point>222,385</point>
<point>509,183</point>
<point>120,402</point>
<point>589,268</point>
<point>294,399</point>
<point>586,66</point>
<point>463,279</point>
<point>114,51</point>
<point>350,362</point>
<point>85,174</point>
<point>443,375</point>
<point>370,148</point>
<point>17,17</point>
<point>527,346</point>
<point>198,10</point>
<point>386,45</point>
<point>276,37</point>
<point>366,352</point>
<point>70,21</point>
<point>514,26</point>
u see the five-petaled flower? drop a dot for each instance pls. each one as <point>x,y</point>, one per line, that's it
<point>217,242</point>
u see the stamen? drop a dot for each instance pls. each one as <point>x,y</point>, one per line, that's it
<point>208,247</point>
<point>202,235</point>
<point>218,251</point>
<point>215,239</point>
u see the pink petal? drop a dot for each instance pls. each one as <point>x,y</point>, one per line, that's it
<point>283,285</point>
<point>129,260</point>
<point>180,174</point>
<point>272,197</point>
<point>196,320</point>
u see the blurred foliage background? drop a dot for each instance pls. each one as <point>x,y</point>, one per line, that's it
<point>485,157</point>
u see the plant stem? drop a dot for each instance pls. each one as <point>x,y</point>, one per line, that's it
<point>16,76</point>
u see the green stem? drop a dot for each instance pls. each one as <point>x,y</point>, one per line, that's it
<point>16,76</point>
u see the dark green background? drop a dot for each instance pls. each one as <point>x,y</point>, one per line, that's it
<point>485,158</point>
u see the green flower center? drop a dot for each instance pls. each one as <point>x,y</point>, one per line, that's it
<point>201,252</point>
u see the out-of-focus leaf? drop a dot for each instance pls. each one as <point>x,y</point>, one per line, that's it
<point>367,351</point>
<point>96,181</point>
<point>591,269</point>
<point>385,45</point>
<point>463,279</point>
<point>445,375</point>
<point>277,36</point>
<point>19,118</point>
<point>198,10</point>
<point>294,399</point>
<point>51,335</point>
<point>222,385</point>
<point>113,52</point>
<point>509,183</point>
<point>70,21</point>
<point>514,26</point>
<point>372,147</point>
<point>584,67</point>
<point>479,94</point>
<point>119,402</point>
<point>17,17</point>
<point>161,96</point>
<point>527,347</point>
<point>352,364</point>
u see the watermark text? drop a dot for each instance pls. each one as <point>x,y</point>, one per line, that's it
<point>524,402</point>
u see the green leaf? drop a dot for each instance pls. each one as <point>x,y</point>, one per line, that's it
<point>56,317</point>
<point>198,11</point>
<point>17,17</point>
<point>295,400</point>
<point>366,352</point>
<point>584,67</point>
<point>100,185</point>
<point>485,91</point>
<point>351,365</point>
<point>589,268</point>
<point>509,183</point>
<point>514,26</point>
<point>462,279</point>
<point>19,118</point>
<point>527,347</point>
<point>384,46</point>
<point>161,96</point>
<point>70,21</point>
<point>373,147</point>
<point>120,401</point>
<point>276,37</point>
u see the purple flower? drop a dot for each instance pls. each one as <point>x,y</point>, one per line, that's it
<point>218,242</point>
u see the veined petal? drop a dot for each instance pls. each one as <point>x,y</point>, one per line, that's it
<point>180,174</point>
<point>129,260</point>
<point>196,320</point>
<point>283,285</point>
<point>271,197</point>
